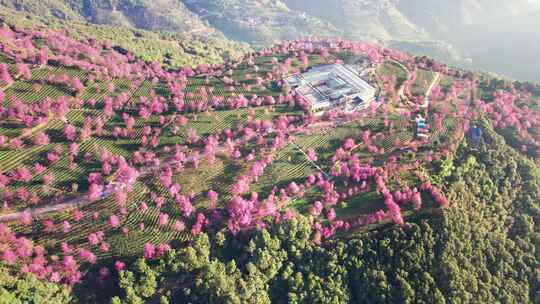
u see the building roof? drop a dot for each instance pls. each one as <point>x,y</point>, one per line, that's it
<point>325,83</point>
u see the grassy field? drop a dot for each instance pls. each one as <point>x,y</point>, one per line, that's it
<point>423,80</point>
<point>390,68</point>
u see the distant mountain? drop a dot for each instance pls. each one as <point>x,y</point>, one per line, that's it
<point>474,34</point>
<point>44,8</point>
<point>496,35</point>
<point>153,15</point>
<point>380,21</point>
<point>173,49</point>
<point>447,18</point>
<point>261,22</point>
<point>371,20</point>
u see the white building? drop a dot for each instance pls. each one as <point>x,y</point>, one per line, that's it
<point>329,86</point>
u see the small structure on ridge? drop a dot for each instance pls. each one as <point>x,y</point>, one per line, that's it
<point>422,128</point>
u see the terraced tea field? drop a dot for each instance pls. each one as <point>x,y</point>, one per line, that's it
<point>101,161</point>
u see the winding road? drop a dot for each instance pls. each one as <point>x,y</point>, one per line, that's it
<point>110,189</point>
<point>84,200</point>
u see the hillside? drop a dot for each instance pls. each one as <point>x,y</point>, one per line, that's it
<point>382,22</point>
<point>445,19</point>
<point>454,32</point>
<point>161,15</point>
<point>363,20</point>
<point>127,181</point>
<point>483,249</point>
<point>260,22</point>
<point>484,31</point>
<point>170,49</point>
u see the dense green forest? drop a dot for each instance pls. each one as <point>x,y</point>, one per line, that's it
<point>482,250</point>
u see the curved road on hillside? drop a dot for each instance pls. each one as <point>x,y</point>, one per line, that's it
<point>83,200</point>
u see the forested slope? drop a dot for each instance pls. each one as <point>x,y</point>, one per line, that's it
<point>169,48</point>
<point>156,15</point>
<point>463,33</point>
<point>261,22</point>
<point>482,250</point>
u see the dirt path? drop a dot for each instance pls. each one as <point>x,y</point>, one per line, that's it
<point>83,200</point>
<point>435,81</point>
<point>314,164</point>
<point>401,91</point>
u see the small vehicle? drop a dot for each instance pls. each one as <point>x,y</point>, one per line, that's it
<point>422,128</point>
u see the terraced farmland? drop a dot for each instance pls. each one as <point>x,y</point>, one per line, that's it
<point>103,158</point>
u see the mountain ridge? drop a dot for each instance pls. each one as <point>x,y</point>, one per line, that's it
<point>432,28</point>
